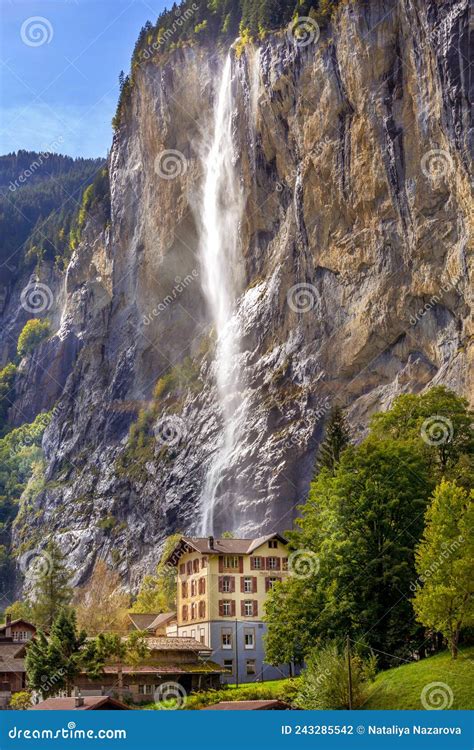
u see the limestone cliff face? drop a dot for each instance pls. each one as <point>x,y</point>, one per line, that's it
<point>353,156</point>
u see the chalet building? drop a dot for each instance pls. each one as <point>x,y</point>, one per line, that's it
<point>175,659</point>
<point>222,586</point>
<point>14,638</point>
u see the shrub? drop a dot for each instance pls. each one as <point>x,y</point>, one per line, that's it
<point>324,682</point>
<point>7,380</point>
<point>20,701</point>
<point>32,334</point>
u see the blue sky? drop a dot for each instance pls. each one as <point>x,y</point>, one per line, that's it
<point>59,66</point>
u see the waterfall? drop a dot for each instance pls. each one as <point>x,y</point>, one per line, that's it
<point>220,214</point>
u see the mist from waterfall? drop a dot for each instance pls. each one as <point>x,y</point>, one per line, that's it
<point>220,215</point>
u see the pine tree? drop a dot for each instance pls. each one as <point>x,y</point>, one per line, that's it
<point>337,437</point>
<point>65,655</point>
<point>39,669</point>
<point>444,598</point>
<point>52,591</point>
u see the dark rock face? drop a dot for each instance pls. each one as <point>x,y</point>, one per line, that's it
<point>353,158</point>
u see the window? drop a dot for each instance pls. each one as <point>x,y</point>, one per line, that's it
<point>249,638</point>
<point>226,608</point>
<point>189,567</point>
<point>248,609</point>
<point>202,637</point>
<point>227,584</point>
<point>184,612</point>
<point>284,563</point>
<point>248,586</point>
<point>193,634</point>
<point>256,563</point>
<point>184,589</point>
<point>193,588</point>
<point>146,689</point>
<point>184,634</point>
<point>204,562</point>
<point>182,569</point>
<point>251,666</point>
<point>202,586</point>
<point>229,664</point>
<point>231,561</point>
<point>226,638</point>
<point>202,609</point>
<point>196,565</point>
<point>270,582</point>
<point>272,563</point>
<point>193,610</point>
<point>273,544</point>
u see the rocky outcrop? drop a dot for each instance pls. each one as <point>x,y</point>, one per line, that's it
<point>353,155</point>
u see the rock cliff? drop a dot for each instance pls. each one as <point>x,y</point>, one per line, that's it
<point>352,155</point>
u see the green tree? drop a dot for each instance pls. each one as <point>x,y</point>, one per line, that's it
<point>52,591</point>
<point>324,681</point>
<point>116,649</point>
<point>336,439</point>
<point>53,664</point>
<point>20,701</point>
<point>33,333</point>
<point>353,554</point>
<point>7,396</point>
<point>444,597</point>
<point>439,417</point>
<point>158,593</point>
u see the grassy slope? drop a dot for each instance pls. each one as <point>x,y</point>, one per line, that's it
<point>401,688</point>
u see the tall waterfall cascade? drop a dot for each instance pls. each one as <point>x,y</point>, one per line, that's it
<point>220,214</point>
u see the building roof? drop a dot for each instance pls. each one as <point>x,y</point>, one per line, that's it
<point>91,702</point>
<point>205,667</point>
<point>219,546</point>
<point>163,619</point>
<point>269,705</point>
<point>142,622</point>
<point>11,650</point>
<point>12,666</point>
<point>175,643</point>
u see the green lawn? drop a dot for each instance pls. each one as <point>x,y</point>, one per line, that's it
<point>401,688</point>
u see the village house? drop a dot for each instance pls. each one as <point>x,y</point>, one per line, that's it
<point>170,659</point>
<point>222,587</point>
<point>153,624</point>
<point>14,638</point>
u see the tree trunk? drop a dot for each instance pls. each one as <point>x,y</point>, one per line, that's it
<point>454,644</point>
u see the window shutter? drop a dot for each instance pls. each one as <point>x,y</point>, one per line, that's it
<point>242,585</point>
<point>221,564</point>
<point>182,569</point>
<point>189,567</point>
<point>278,563</point>
<point>241,564</point>
<point>255,608</point>
<point>219,586</point>
<point>242,609</point>
<point>203,585</point>
<point>254,584</point>
<point>232,608</point>
<point>221,609</point>
<point>265,563</point>
<point>232,584</point>
<point>267,584</point>
<point>252,563</point>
